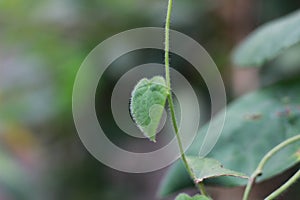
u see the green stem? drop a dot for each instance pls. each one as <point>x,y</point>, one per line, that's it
<point>263,162</point>
<point>200,186</point>
<point>284,187</point>
<point>167,43</point>
<point>175,126</point>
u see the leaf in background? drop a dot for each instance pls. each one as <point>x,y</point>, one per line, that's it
<point>205,168</point>
<point>187,197</point>
<point>255,124</point>
<point>268,41</point>
<point>147,104</point>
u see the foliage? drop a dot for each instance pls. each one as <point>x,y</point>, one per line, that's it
<point>206,168</point>
<point>256,122</point>
<point>187,197</point>
<point>268,41</point>
<point>270,114</point>
<point>43,44</point>
<point>147,104</point>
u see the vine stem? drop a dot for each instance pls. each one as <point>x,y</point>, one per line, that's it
<point>285,186</point>
<point>175,126</point>
<point>200,186</point>
<point>263,162</point>
<point>167,43</point>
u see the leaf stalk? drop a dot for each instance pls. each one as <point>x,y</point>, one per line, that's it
<point>266,158</point>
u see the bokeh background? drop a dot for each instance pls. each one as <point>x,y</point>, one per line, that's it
<point>42,44</point>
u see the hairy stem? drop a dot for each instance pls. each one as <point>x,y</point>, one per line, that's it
<point>175,126</point>
<point>263,162</point>
<point>167,43</point>
<point>284,187</point>
<point>200,186</point>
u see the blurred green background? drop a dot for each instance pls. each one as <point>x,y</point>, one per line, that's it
<point>42,44</point>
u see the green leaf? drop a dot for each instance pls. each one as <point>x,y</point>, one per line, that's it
<point>254,125</point>
<point>205,168</point>
<point>147,104</point>
<point>268,41</point>
<point>187,197</point>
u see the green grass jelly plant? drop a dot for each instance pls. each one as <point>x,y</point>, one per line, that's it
<point>149,98</point>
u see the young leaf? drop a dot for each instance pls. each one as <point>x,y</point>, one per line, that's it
<point>205,168</point>
<point>268,41</point>
<point>255,124</point>
<point>187,197</point>
<point>147,104</point>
